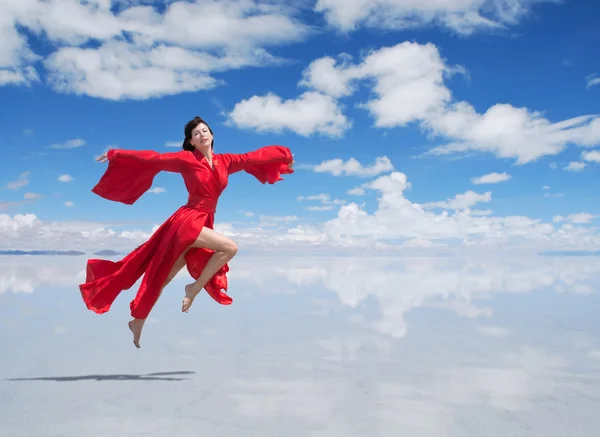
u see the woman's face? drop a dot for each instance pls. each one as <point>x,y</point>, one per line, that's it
<point>201,137</point>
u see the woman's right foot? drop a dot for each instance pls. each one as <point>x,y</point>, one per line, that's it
<point>190,294</point>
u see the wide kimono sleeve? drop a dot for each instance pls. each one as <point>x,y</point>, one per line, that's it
<point>266,164</point>
<point>130,173</point>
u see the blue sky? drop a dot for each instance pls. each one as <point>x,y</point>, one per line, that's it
<point>436,96</point>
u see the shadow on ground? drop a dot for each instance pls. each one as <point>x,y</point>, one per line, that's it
<point>159,376</point>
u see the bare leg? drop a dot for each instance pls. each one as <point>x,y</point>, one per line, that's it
<point>136,325</point>
<point>225,249</point>
<point>179,264</point>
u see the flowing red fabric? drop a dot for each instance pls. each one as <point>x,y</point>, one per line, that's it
<point>129,175</point>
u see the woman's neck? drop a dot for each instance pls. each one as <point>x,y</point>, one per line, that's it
<point>208,154</point>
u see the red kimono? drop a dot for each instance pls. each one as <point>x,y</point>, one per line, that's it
<point>129,175</point>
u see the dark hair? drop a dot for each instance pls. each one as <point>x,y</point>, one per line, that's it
<point>187,130</point>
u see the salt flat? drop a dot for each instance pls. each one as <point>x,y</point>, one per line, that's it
<point>504,346</point>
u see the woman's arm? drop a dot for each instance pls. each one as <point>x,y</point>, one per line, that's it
<point>170,161</point>
<point>130,172</point>
<point>264,155</point>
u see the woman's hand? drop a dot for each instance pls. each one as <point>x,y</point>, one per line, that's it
<point>103,157</point>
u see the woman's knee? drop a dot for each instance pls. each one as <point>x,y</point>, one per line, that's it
<point>210,239</point>
<point>230,248</point>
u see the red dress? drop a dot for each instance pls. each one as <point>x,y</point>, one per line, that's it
<point>129,175</point>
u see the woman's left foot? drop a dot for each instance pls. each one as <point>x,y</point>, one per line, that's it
<point>136,328</point>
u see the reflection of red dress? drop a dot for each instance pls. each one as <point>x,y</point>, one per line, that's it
<point>128,176</point>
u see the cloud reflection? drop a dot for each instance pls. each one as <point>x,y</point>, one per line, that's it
<point>398,286</point>
<point>27,274</point>
<point>350,346</point>
<point>426,404</point>
<point>460,285</point>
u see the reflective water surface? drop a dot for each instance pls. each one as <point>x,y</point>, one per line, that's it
<point>498,346</point>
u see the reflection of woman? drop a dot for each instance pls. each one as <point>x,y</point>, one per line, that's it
<point>185,238</point>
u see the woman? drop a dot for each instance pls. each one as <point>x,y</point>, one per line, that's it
<point>187,237</point>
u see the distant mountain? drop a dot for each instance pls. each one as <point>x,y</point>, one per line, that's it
<point>41,252</point>
<point>106,253</point>
<point>571,253</point>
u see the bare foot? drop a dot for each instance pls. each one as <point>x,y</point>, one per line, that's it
<point>190,294</point>
<point>136,326</point>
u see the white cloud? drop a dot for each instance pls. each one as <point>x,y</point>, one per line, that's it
<point>69,203</point>
<point>320,208</point>
<point>591,156</point>
<point>357,191</point>
<point>167,53</point>
<point>510,132</point>
<point>503,130</point>
<point>353,167</point>
<point>7,205</point>
<point>71,144</point>
<point>65,178</point>
<point>464,17</point>
<point>27,231</point>
<point>592,80</point>
<point>579,218</point>
<point>173,143</point>
<point>25,76</point>
<point>421,243</point>
<point>407,81</point>
<point>328,77</point>
<point>396,217</point>
<point>120,70</point>
<point>269,220</point>
<point>491,178</point>
<point>310,113</point>
<point>20,182</point>
<point>324,198</point>
<point>12,225</point>
<point>407,84</point>
<point>575,166</point>
<point>393,224</point>
<point>157,190</point>
<point>461,201</point>
<point>31,196</point>
<point>15,54</point>
<point>225,23</point>
<point>327,203</point>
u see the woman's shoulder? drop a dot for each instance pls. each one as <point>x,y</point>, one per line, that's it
<point>185,155</point>
<point>223,156</point>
